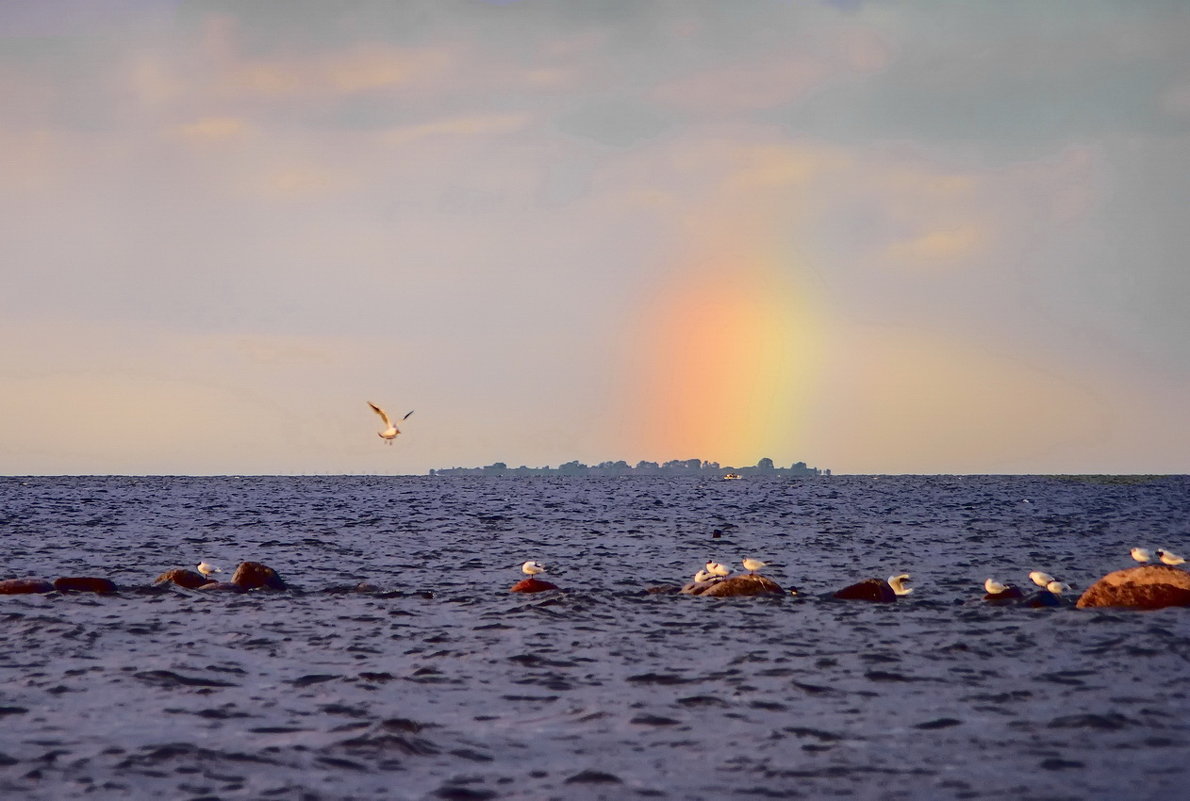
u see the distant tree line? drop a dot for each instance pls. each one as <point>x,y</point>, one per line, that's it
<point>675,467</point>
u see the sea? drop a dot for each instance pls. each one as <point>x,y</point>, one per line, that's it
<point>401,667</point>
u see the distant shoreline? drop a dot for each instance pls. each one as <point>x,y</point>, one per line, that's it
<point>676,467</point>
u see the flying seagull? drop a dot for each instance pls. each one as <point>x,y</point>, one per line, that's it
<point>390,431</point>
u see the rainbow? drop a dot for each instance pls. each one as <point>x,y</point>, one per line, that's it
<point>727,359</point>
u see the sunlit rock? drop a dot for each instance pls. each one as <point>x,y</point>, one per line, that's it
<point>1144,587</point>
<point>84,584</point>
<point>532,585</point>
<point>24,586</point>
<point>187,579</point>
<point>254,576</point>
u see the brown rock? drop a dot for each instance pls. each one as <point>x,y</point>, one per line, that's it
<point>23,586</point>
<point>1144,587</point>
<point>254,576</point>
<point>84,584</point>
<point>748,584</point>
<point>868,590</point>
<point>188,579</point>
<point>532,585</point>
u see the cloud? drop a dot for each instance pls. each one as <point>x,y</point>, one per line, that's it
<point>467,126</point>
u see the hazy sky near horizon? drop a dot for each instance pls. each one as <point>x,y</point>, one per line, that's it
<point>873,236</point>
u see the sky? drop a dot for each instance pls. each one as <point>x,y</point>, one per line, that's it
<point>877,237</point>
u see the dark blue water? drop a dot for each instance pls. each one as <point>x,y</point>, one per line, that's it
<point>438,683</point>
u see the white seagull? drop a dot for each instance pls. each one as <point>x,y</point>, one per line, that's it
<point>1169,558</point>
<point>1040,579</point>
<point>752,565</point>
<point>994,587</point>
<point>207,569</point>
<point>390,431</point>
<point>1057,587</point>
<point>898,584</point>
<point>702,576</point>
<point>532,568</point>
<point>1141,555</point>
<point>716,569</point>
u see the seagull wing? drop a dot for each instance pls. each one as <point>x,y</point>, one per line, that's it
<point>406,417</point>
<point>380,412</point>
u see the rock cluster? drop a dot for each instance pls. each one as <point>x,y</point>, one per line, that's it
<point>63,584</point>
<point>248,576</point>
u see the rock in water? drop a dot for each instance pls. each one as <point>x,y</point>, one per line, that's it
<point>188,579</point>
<point>1144,587</point>
<point>84,584</point>
<point>532,585</point>
<point>23,586</point>
<point>222,586</point>
<point>254,576</point>
<point>1045,598</point>
<point>868,590</point>
<point>749,584</point>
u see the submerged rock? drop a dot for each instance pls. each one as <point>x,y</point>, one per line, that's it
<point>532,585</point>
<point>1144,587</point>
<point>222,586</point>
<point>877,590</point>
<point>1044,598</point>
<point>187,579</point>
<point>24,586</point>
<point>255,576</point>
<point>735,586</point>
<point>84,584</point>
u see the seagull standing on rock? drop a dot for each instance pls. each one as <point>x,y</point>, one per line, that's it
<point>532,568</point>
<point>993,587</point>
<point>1141,555</point>
<point>717,569</point>
<point>752,565</point>
<point>1169,558</point>
<point>1040,578</point>
<point>207,569</point>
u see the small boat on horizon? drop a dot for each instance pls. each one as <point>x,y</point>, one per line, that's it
<point>732,476</point>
